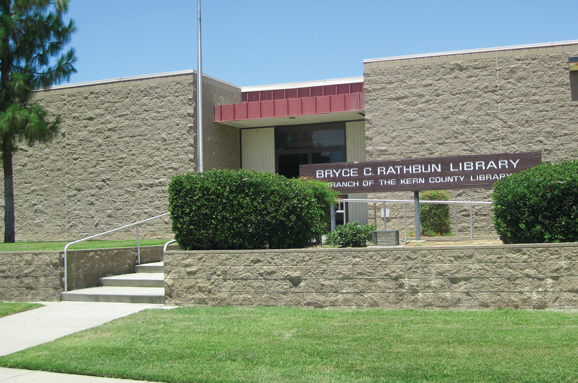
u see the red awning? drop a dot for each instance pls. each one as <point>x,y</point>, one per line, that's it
<point>294,102</point>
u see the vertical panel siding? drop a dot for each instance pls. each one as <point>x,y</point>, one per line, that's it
<point>355,144</point>
<point>355,136</point>
<point>258,149</point>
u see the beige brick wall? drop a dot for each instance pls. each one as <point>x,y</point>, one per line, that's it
<point>37,276</point>
<point>515,100</point>
<point>222,144</point>
<point>516,276</point>
<point>119,145</point>
<point>31,276</point>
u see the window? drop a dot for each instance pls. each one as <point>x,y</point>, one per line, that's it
<point>308,144</point>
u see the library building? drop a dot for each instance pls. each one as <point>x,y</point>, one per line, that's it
<point>121,140</point>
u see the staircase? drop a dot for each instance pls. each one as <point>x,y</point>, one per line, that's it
<point>144,286</point>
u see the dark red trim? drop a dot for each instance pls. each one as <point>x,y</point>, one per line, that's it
<point>294,102</point>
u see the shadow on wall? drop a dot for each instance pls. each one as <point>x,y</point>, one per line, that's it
<point>573,64</point>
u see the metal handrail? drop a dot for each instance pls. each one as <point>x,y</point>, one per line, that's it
<point>167,245</point>
<point>455,203</point>
<point>65,255</point>
<point>411,201</point>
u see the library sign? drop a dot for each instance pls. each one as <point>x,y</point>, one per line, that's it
<point>418,174</point>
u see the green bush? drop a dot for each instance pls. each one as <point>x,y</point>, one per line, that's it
<point>538,205</point>
<point>239,209</point>
<point>435,218</point>
<point>351,234</point>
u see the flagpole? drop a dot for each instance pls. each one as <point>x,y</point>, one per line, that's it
<point>199,93</point>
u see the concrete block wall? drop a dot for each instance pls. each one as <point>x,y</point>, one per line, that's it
<point>120,142</point>
<point>31,276</point>
<point>511,276</point>
<point>489,101</point>
<point>37,275</point>
<point>222,144</point>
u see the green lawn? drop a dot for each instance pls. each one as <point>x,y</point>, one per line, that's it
<point>59,245</point>
<point>7,308</point>
<point>283,344</point>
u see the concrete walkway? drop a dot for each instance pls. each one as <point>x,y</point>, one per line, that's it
<point>55,320</point>
<point>10,375</point>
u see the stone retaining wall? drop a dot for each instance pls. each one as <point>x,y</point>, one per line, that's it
<point>31,276</point>
<point>37,275</point>
<point>517,276</point>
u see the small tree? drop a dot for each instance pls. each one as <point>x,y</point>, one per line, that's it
<point>33,34</point>
<point>435,218</point>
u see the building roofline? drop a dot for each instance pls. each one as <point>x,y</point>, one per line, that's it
<point>136,78</point>
<point>482,50</point>
<point>303,84</point>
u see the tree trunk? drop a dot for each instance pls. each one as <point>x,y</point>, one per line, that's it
<point>5,67</point>
<point>9,231</point>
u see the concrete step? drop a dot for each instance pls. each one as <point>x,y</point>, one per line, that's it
<point>144,286</point>
<point>117,294</point>
<point>154,267</point>
<point>135,280</point>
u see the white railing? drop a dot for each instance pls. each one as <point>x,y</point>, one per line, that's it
<point>167,245</point>
<point>343,207</point>
<point>137,224</point>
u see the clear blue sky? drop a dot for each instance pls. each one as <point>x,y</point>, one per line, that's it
<point>257,42</point>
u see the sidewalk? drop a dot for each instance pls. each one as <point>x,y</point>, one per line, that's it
<point>10,375</point>
<point>50,322</point>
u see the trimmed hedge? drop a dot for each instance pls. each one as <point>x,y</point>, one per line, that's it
<point>435,218</point>
<point>538,205</point>
<point>240,209</point>
<point>351,234</point>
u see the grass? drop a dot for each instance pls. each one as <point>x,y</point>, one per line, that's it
<point>8,308</point>
<point>283,344</point>
<point>59,245</point>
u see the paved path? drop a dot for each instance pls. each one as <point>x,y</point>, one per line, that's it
<point>50,322</point>
<point>10,375</point>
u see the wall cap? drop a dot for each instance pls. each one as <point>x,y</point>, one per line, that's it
<point>303,84</point>
<point>135,78</point>
<point>383,248</point>
<point>470,51</point>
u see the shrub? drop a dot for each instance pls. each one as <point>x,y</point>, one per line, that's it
<point>239,209</point>
<point>435,218</point>
<point>351,234</point>
<point>538,205</point>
